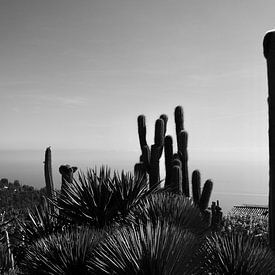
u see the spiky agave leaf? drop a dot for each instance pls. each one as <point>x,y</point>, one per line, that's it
<point>237,253</point>
<point>100,199</point>
<point>62,253</point>
<point>4,258</point>
<point>88,199</point>
<point>130,191</point>
<point>171,208</point>
<point>40,222</point>
<point>148,249</point>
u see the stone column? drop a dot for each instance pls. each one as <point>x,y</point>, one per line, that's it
<point>269,53</point>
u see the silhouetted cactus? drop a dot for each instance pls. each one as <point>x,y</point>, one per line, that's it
<point>66,172</point>
<point>205,195</point>
<point>182,138</point>
<point>176,179</point>
<point>168,156</point>
<point>176,164</point>
<point>48,173</point>
<point>269,53</point>
<point>150,157</point>
<point>196,186</point>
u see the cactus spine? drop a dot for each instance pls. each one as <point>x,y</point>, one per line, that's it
<point>269,53</point>
<point>48,173</point>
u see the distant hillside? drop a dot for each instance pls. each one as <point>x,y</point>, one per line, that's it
<point>15,196</point>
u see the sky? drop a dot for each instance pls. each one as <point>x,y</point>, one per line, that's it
<point>75,75</point>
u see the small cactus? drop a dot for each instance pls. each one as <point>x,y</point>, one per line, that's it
<point>205,195</point>
<point>66,172</point>
<point>48,173</point>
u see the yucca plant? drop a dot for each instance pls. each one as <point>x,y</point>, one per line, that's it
<point>101,199</point>
<point>176,209</point>
<point>237,253</point>
<point>40,222</point>
<point>148,249</point>
<point>64,253</point>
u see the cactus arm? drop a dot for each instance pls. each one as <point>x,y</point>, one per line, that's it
<point>196,186</point>
<point>168,156</point>
<point>165,120</point>
<point>159,132</point>
<point>182,145</point>
<point>179,120</point>
<point>156,152</point>
<point>142,131</point>
<point>206,194</point>
<point>177,179</point>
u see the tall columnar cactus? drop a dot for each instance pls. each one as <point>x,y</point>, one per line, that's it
<point>182,138</point>
<point>48,173</point>
<point>269,53</point>
<point>168,156</point>
<point>150,156</point>
<point>176,164</point>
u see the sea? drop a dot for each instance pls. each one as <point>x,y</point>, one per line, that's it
<point>236,182</point>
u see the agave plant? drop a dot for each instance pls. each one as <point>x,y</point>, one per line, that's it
<point>237,253</point>
<point>101,199</point>
<point>148,249</point>
<point>40,222</point>
<point>64,253</point>
<point>172,208</point>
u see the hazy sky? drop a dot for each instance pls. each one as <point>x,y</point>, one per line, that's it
<point>76,74</point>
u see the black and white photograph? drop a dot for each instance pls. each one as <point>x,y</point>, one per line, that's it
<point>137,137</point>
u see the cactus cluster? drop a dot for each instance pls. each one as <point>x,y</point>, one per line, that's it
<point>176,164</point>
<point>150,156</point>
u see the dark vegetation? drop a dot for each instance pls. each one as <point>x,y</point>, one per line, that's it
<point>104,222</point>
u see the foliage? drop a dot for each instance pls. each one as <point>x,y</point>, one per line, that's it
<point>175,209</point>
<point>40,222</point>
<point>101,199</point>
<point>148,249</point>
<point>237,253</point>
<point>256,225</point>
<point>68,252</point>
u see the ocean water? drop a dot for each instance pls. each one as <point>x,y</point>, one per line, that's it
<point>242,181</point>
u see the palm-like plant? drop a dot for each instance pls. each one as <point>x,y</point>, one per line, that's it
<point>64,253</point>
<point>148,249</point>
<point>40,222</point>
<point>237,253</point>
<point>101,199</point>
<point>172,208</point>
